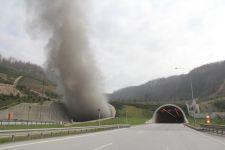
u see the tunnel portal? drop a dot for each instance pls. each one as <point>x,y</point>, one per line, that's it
<point>169,113</point>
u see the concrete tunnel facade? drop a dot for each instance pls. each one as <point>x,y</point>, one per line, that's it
<point>169,113</point>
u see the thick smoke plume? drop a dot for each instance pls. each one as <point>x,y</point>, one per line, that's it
<point>69,54</point>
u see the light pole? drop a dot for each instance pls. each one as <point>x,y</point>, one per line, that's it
<point>126,118</point>
<point>41,112</point>
<point>28,117</point>
<point>99,117</point>
<point>43,86</point>
<point>192,93</point>
<point>43,93</point>
<point>117,119</point>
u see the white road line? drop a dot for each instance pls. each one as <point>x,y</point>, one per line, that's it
<point>55,140</point>
<point>41,142</point>
<point>140,132</point>
<point>103,146</point>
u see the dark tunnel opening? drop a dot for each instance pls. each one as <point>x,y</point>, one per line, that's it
<point>169,114</point>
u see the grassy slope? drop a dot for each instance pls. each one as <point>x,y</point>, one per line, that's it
<point>16,127</point>
<point>135,116</point>
<point>37,85</point>
<point>25,84</point>
<point>202,121</point>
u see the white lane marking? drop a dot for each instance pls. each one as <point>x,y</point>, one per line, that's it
<point>103,146</point>
<point>208,137</point>
<point>27,144</point>
<point>140,132</point>
<point>55,140</point>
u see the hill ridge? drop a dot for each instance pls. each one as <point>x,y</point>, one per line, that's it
<point>208,80</point>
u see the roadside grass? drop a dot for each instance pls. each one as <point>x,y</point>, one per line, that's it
<point>17,127</point>
<point>37,85</point>
<point>135,116</point>
<point>114,121</point>
<point>95,123</point>
<point>5,140</point>
<point>199,121</point>
<point>46,135</point>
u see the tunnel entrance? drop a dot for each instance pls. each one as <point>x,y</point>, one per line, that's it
<point>169,114</point>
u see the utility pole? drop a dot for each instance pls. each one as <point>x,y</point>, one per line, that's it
<point>117,122</point>
<point>192,94</point>
<point>40,112</point>
<point>99,117</point>
<point>43,93</point>
<point>126,118</point>
<point>28,116</point>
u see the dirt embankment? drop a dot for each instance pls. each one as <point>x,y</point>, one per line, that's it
<point>7,89</point>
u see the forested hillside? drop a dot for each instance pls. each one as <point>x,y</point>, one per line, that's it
<point>32,87</point>
<point>208,81</point>
<point>13,67</point>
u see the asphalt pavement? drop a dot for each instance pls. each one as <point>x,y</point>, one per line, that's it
<point>145,137</point>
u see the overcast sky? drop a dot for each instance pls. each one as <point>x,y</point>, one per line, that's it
<point>134,41</point>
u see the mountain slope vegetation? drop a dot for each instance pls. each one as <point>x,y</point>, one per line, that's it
<point>34,85</point>
<point>208,81</point>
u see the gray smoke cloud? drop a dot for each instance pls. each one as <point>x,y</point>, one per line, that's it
<point>69,54</point>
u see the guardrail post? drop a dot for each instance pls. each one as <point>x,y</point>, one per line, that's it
<point>29,134</point>
<point>218,129</point>
<point>13,138</point>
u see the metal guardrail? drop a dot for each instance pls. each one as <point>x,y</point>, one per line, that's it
<point>51,131</point>
<point>23,122</point>
<point>193,127</point>
<point>219,129</point>
<point>103,119</point>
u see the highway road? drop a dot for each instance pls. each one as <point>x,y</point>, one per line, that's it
<point>145,137</point>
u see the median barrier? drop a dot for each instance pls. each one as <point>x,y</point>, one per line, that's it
<point>50,132</point>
